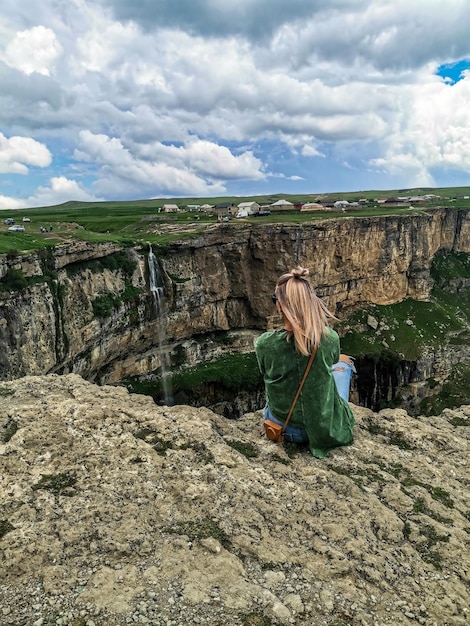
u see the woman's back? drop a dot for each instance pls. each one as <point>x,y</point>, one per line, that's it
<point>320,412</point>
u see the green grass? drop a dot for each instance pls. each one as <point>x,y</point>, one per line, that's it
<point>151,437</point>
<point>432,321</point>
<point>444,319</point>
<point>202,528</point>
<point>233,372</point>
<point>136,221</point>
<point>23,242</point>
<point>455,391</point>
<point>9,430</point>
<point>59,484</point>
<point>451,265</point>
<point>247,449</point>
<point>146,204</point>
<point>5,527</point>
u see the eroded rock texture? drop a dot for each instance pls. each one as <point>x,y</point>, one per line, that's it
<point>117,511</point>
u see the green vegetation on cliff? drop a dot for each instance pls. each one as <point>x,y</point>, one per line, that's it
<point>231,373</point>
<point>410,330</point>
<point>411,326</point>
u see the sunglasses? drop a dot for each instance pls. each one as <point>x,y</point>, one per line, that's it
<point>274,298</point>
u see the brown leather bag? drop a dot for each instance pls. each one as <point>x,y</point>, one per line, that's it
<point>274,431</point>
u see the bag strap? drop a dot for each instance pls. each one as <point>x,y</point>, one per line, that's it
<point>291,410</point>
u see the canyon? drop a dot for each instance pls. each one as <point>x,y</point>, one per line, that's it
<point>86,308</point>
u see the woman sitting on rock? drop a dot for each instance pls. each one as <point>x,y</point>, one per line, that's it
<point>321,416</point>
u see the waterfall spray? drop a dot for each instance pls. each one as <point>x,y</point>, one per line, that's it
<point>157,289</point>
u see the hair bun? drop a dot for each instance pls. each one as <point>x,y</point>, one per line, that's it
<point>299,272</point>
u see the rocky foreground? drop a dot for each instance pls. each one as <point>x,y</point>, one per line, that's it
<point>117,511</point>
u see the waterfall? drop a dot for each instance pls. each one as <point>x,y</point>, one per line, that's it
<point>156,284</point>
<point>157,289</point>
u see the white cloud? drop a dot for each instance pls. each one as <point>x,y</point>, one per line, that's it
<point>7,203</point>
<point>311,151</point>
<point>16,153</point>
<point>33,50</point>
<point>61,189</point>
<point>434,132</point>
<point>105,45</point>
<point>209,159</point>
<point>202,96</point>
<point>201,166</point>
<point>220,18</point>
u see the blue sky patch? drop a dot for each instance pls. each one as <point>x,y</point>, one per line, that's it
<point>453,71</point>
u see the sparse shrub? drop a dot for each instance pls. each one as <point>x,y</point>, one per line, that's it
<point>200,449</point>
<point>247,449</point>
<point>151,437</point>
<point>374,428</point>
<point>199,529</point>
<point>10,429</point>
<point>459,421</point>
<point>59,484</point>
<point>119,261</point>
<point>103,306</point>
<point>279,459</point>
<point>439,494</point>
<point>397,439</point>
<point>130,292</point>
<point>5,527</point>
<point>14,280</point>
<point>178,279</point>
<point>419,506</point>
<point>256,619</point>
<point>406,530</point>
<point>425,548</point>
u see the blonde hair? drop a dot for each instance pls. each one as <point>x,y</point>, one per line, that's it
<point>303,309</point>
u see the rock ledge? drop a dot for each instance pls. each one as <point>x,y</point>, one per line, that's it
<point>117,511</point>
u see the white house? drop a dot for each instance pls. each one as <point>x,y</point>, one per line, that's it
<point>251,208</point>
<point>282,204</point>
<point>170,208</point>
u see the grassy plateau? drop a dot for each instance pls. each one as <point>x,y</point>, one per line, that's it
<point>136,221</point>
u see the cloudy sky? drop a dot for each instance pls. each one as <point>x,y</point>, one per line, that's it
<point>129,99</point>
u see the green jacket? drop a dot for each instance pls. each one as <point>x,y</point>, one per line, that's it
<point>325,416</point>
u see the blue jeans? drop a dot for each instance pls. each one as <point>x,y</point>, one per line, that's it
<point>342,374</point>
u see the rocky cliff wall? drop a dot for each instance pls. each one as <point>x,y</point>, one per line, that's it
<point>116,511</point>
<point>220,281</point>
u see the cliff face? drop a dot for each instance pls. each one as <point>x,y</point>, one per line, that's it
<point>117,511</point>
<point>220,281</point>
